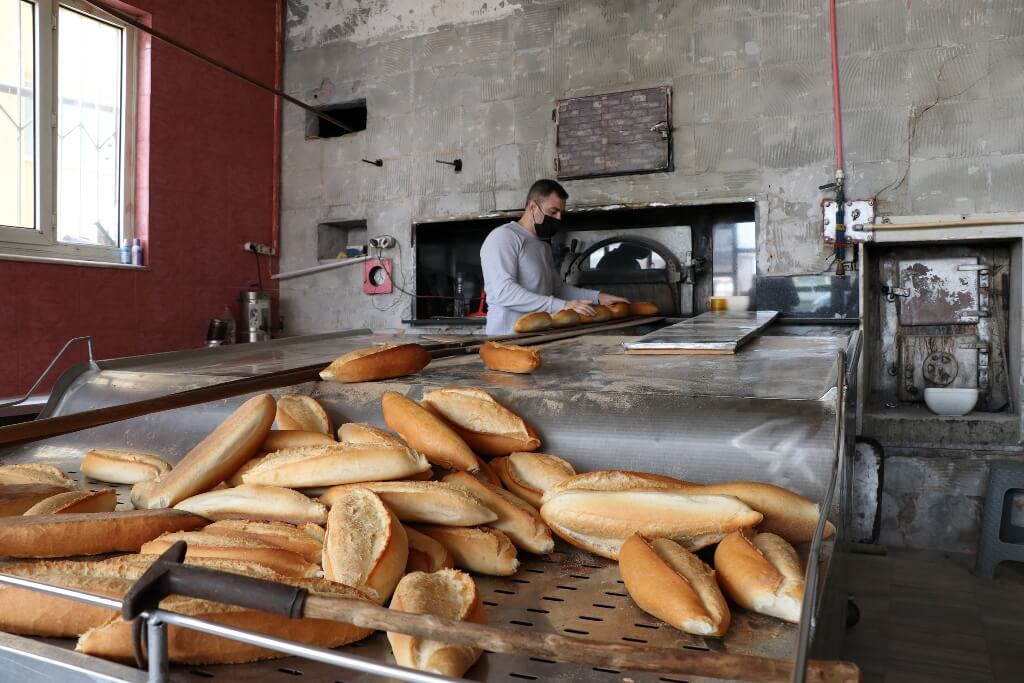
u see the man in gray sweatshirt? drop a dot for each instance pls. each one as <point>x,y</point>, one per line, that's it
<point>519,270</point>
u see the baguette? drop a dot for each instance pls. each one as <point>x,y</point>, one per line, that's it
<point>483,423</point>
<point>643,308</point>
<point>341,463</point>
<point>304,413</point>
<point>425,554</point>
<point>516,518</point>
<point>786,514</point>
<point>280,439</point>
<point>485,473</point>
<point>90,533</point>
<point>450,594</point>
<point>511,358</point>
<point>565,318</point>
<point>377,362</point>
<point>529,475</point>
<point>16,499</point>
<point>674,585</point>
<point>616,480</point>
<point>533,322</point>
<point>427,433</point>
<point>762,574</point>
<point>113,640</point>
<point>277,534</point>
<point>365,546</point>
<point>134,566</point>
<point>619,309</point>
<point>35,473</point>
<point>361,432</point>
<point>429,502</point>
<point>30,613</point>
<point>228,547</point>
<point>600,521</point>
<point>478,549</point>
<point>122,467</point>
<point>104,500</point>
<point>601,314</point>
<point>214,459</point>
<point>256,502</point>
<point>315,531</point>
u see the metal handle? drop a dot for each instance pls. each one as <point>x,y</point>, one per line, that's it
<point>56,359</point>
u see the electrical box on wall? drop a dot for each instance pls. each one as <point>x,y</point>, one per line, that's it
<point>377,276</point>
<point>858,217</point>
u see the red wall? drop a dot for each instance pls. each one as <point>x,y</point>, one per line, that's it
<point>212,184</point>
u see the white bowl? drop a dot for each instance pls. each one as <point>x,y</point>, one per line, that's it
<point>950,401</point>
<point>737,303</point>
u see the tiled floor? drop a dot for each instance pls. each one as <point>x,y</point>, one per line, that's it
<point>926,618</point>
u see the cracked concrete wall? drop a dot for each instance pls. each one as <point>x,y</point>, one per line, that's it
<point>933,96</point>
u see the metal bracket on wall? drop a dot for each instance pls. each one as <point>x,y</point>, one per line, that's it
<point>56,359</point>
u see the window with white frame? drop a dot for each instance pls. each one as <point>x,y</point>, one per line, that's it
<point>67,94</point>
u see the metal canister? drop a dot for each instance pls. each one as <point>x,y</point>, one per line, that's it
<point>255,309</point>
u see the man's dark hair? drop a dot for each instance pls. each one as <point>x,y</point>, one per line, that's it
<point>544,188</point>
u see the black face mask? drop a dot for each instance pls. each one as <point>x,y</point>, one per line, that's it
<point>548,227</point>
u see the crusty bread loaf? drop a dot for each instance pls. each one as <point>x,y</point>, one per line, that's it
<point>529,475</point>
<point>674,585</point>
<point>31,613</point>
<point>134,566</point>
<point>425,554</point>
<point>90,533</point>
<point>429,502</point>
<point>600,521</point>
<point>615,480</point>
<point>601,314</point>
<point>215,458</point>
<point>341,463</point>
<point>786,514</point>
<point>533,322</point>
<point>619,309</point>
<point>485,424</point>
<point>478,549</point>
<point>643,308</point>
<point>15,499</point>
<point>516,518</point>
<point>280,439</point>
<point>314,530</point>
<point>427,433</point>
<point>69,502</point>
<point>762,574</point>
<point>486,473</point>
<point>565,318</point>
<point>113,640</point>
<point>256,502</point>
<point>366,546</point>
<point>450,594</point>
<point>122,467</point>
<point>277,534</point>
<point>377,362</point>
<point>228,547</point>
<point>511,358</point>
<point>361,432</point>
<point>301,412</point>
<point>35,473</point>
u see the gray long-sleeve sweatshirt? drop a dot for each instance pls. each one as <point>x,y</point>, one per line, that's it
<point>520,278</point>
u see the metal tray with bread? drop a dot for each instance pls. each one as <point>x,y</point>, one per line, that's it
<point>775,413</point>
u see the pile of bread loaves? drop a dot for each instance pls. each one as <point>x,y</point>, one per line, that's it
<point>536,322</point>
<point>383,515</point>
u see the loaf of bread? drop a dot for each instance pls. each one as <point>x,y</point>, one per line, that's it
<point>304,413</point>
<point>341,463</point>
<point>478,549</point>
<point>786,514</point>
<point>428,502</point>
<point>486,473</point>
<point>122,467</point>
<point>237,547</point>
<point>214,459</point>
<point>450,594</point>
<point>671,583</point>
<point>360,432</point>
<point>35,473</point>
<point>91,533</point>
<point>516,518</point>
<point>615,480</point>
<point>762,573</point>
<point>280,439</point>
<point>600,521</point>
<point>427,433</point>
<point>533,322</point>
<point>366,546</point>
<point>377,362</point>
<point>16,499</point>
<point>69,502</point>
<point>256,502</point>
<point>278,534</point>
<point>565,318</point>
<point>511,358</point>
<point>601,314</point>
<point>486,425</point>
<point>643,308</point>
<point>619,309</point>
<point>425,554</point>
<point>134,566</point>
<point>529,475</point>
<point>31,613</point>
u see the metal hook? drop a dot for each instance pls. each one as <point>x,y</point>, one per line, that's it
<point>457,164</point>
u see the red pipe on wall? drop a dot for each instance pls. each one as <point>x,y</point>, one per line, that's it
<point>836,107</point>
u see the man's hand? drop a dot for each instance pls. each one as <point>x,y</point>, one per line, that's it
<point>580,306</point>
<point>605,299</point>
